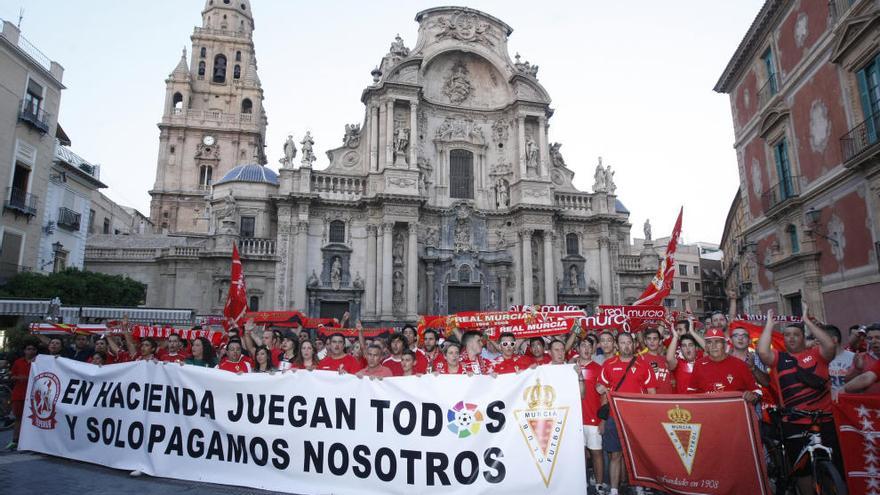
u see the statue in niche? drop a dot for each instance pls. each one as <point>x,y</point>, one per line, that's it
<point>531,155</point>
<point>593,287</point>
<point>289,153</point>
<point>397,287</point>
<point>227,211</point>
<point>308,154</point>
<point>573,278</point>
<point>397,248</point>
<point>358,282</point>
<point>462,235</point>
<point>647,229</point>
<point>599,177</point>
<point>457,86</point>
<point>401,144</point>
<point>432,237</point>
<point>313,280</point>
<point>502,193</point>
<point>336,273</point>
<point>609,180</point>
<point>352,137</point>
<point>492,300</point>
<point>536,289</point>
<point>555,156</point>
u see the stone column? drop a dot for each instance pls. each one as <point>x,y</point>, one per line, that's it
<point>412,272</point>
<point>429,279</point>
<point>389,133</point>
<point>526,239</point>
<point>521,137</point>
<point>413,133</point>
<point>605,268</point>
<point>374,138</point>
<point>543,154</point>
<point>377,261</point>
<point>370,293</point>
<point>387,231</point>
<point>549,276</point>
<point>502,289</point>
<point>299,274</point>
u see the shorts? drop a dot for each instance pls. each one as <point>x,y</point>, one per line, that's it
<point>610,439</point>
<point>592,437</point>
<point>18,409</point>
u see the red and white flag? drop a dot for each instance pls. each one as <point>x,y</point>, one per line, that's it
<point>236,301</point>
<point>858,429</point>
<point>661,285</point>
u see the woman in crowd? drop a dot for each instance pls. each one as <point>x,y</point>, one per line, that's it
<point>307,358</point>
<point>287,358</point>
<point>99,358</point>
<point>262,360</point>
<point>202,353</point>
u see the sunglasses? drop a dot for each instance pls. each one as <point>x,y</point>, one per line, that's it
<point>508,344</point>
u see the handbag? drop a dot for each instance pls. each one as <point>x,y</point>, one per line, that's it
<point>604,410</point>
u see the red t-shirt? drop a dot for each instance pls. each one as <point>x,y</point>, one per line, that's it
<point>683,373</point>
<point>348,362</point>
<point>275,353</point>
<point>662,376</point>
<point>120,357</point>
<point>421,364</point>
<point>728,375</point>
<point>433,361</point>
<point>545,359</point>
<point>172,358</point>
<point>639,378</point>
<point>21,367</point>
<point>379,371</point>
<point>478,366</point>
<point>393,364</point>
<point>591,400</point>
<point>442,367</point>
<point>868,362</point>
<point>512,364</point>
<point>793,392</point>
<point>244,365</point>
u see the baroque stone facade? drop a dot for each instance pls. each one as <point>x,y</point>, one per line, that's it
<point>447,197</point>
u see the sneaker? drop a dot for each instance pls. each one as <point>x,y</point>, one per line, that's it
<point>135,473</point>
<point>12,446</point>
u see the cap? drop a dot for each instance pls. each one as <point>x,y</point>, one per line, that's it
<point>714,333</point>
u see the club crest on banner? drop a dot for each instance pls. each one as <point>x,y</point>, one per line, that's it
<point>542,426</point>
<point>684,435</point>
<point>44,394</point>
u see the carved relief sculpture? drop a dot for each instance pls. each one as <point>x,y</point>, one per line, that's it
<point>336,273</point>
<point>289,153</point>
<point>397,47</point>
<point>313,280</point>
<point>556,157</point>
<point>525,67</point>
<point>500,131</point>
<point>462,235</point>
<point>457,86</point>
<point>432,237</point>
<point>464,26</point>
<point>460,130</point>
<point>308,155</point>
<point>358,282</point>
<point>352,136</point>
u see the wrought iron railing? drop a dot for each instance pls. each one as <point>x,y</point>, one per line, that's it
<point>860,137</point>
<point>781,192</point>
<point>34,53</point>
<point>21,201</point>
<point>68,219</point>
<point>34,115</point>
<point>770,88</point>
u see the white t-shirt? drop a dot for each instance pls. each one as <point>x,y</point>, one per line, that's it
<point>838,368</point>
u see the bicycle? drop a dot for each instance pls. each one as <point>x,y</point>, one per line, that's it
<point>814,458</point>
<point>6,419</point>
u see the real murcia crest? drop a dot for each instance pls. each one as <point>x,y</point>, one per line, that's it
<point>542,426</point>
<point>684,435</point>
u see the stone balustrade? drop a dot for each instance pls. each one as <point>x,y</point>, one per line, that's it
<point>252,246</point>
<point>575,201</point>
<point>340,187</point>
<point>630,262</point>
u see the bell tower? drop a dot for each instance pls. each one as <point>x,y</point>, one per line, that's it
<point>213,118</point>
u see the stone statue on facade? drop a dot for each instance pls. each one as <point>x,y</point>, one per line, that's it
<point>308,154</point>
<point>358,282</point>
<point>599,178</point>
<point>397,48</point>
<point>397,249</point>
<point>493,302</point>
<point>647,229</point>
<point>525,67</point>
<point>313,280</point>
<point>502,193</point>
<point>531,155</point>
<point>555,156</point>
<point>336,273</point>
<point>609,180</point>
<point>457,86</point>
<point>397,288</point>
<point>462,235</point>
<point>226,215</point>
<point>401,144</point>
<point>352,137</point>
<point>432,237</point>
<point>289,153</point>
<point>573,278</point>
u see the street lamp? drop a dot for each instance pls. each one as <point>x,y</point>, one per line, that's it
<point>814,216</point>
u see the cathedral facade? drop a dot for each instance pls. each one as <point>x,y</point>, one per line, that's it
<point>448,196</point>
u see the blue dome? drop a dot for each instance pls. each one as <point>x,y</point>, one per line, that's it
<point>250,173</point>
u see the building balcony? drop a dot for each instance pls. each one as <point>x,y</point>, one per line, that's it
<point>219,32</point>
<point>185,117</point>
<point>252,246</point>
<point>68,219</point>
<point>580,202</point>
<point>768,90</point>
<point>34,115</point>
<point>860,138</point>
<point>19,201</point>
<point>780,193</point>
<point>338,187</point>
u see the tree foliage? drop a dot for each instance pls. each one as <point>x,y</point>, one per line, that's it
<point>76,287</point>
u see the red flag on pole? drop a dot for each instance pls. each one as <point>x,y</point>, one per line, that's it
<point>236,301</point>
<point>661,285</point>
<point>856,416</point>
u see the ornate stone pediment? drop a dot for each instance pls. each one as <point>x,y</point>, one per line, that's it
<point>460,129</point>
<point>464,26</point>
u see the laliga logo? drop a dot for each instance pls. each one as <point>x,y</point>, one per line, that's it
<point>542,426</point>
<point>464,419</point>
<point>44,394</point>
<point>684,435</point>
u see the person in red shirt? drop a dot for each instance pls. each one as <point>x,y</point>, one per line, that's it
<point>451,364</point>
<point>432,353</point>
<point>374,367</point>
<point>307,357</point>
<point>175,352</point>
<point>864,380</point>
<point>864,361</point>
<point>590,403</point>
<point>536,350</point>
<point>721,372</point>
<point>234,361</point>
<point>656,359</point>
<point>21,370</point>
<point>622,373</point>
<point>682,367</point>
<point>408,363</point>
<point>337,359</point>
<point>397,344</point>
<point>412,343</point>
<point>557,352</point>
<point>472,360</point>
<point>800,377</point>
<point>287,358</point>
<point>510,361</point>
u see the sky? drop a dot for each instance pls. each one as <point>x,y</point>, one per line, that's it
<point>629,81</point>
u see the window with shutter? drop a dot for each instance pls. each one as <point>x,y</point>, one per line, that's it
<point>461,174</point>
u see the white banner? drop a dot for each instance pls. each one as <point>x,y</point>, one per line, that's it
<point>314,432</point>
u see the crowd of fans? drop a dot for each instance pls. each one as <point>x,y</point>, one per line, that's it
<point>807,374</point>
